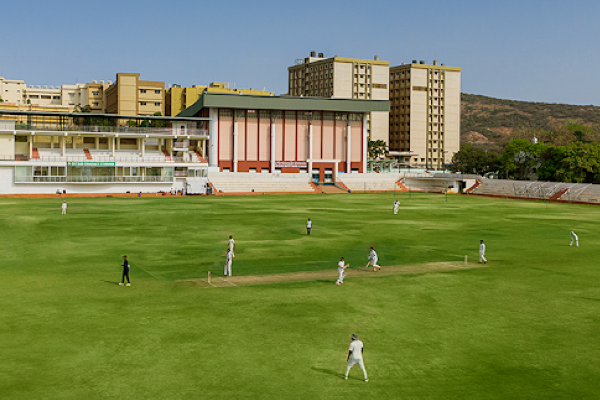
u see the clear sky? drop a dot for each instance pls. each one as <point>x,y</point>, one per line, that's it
<point>522,50</point>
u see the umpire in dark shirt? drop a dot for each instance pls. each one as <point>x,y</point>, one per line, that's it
<point>125,272</point>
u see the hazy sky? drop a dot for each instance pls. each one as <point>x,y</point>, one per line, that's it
<point>523,50</point>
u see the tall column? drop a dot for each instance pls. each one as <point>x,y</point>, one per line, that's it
<point>310,147</point>
<point>143,146</point>
<point>97,142</point>
<point>235,144</point>
<point>112,146</point>
<point>170,146</point>
<point>335,171</point>
<point>63,145</point>
<point>272,158</point>
<point>30,146</point>
<point>365,143</point>
<point>213,134</point>
<point>160,145</point>
<point>74,142</point>
<point>118,142</point>
<point>349,149</point>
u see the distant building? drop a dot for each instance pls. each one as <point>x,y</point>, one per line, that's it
<point>179,98</point>
<point>131,96</point>
<point>424,113</point>
<point>344,78</point>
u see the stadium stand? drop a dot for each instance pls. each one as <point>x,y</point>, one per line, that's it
<point>371,182</point>
<point>241,182</point>
<point>566,192</point>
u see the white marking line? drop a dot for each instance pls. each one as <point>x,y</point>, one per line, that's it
<point>231,283</point>
<point>138,265</point>
<point>204,280</point>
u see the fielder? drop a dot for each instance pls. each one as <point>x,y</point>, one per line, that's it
<point>575,238</point>
<point>228,262</point>
<point>355,356</point>
<point>482,252</point>
<point>64,208</point>
<point>373,260</point>
<point>341,271</point>
<point>125,272</point>
<point>308,226</point>
<point>231,243</point>
<point>396,207</point>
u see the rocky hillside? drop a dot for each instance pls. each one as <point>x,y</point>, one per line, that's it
<point>488,122</point>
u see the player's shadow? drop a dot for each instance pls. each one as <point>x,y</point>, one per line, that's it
<point>111,282</point>
<point>328,372</point>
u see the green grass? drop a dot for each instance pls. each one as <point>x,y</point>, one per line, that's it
<point>526,327</point>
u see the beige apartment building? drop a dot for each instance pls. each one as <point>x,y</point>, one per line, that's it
<point>344,78</point>
<point>179,98</point>
<point>424,114</point>
<point>131,96</point>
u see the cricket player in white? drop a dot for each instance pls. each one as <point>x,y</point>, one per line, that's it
<point>574,238</point>
<point>228,262</point>
<point>482,252</point>
<point>355,356</point>
<point>64,207</point>
<point>341,271</point>
<point>308,226</point>
<point>396,207</point>
<point>373,260</point>
<point>231,243</point>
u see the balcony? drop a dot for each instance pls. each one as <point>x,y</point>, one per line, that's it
<point>93,179</point>
<point>98,159</point>
<point>113,129</point>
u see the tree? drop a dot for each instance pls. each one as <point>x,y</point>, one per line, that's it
<point>474,160</point>
<point>157,123</point>
<point>377,149</point>
<point>521,158</point>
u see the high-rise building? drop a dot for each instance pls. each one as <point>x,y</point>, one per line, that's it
<point>424,113</point>
<point>344,78</point>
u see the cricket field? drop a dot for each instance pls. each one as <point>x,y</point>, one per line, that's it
<point>523,326</point>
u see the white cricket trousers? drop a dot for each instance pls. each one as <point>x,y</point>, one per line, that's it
<point>227,269</point>
<point>482,258</point>
<point>396,210</point>
<point>341,273</point>
<point>64,211</point>
<point>576,242</point>
<point>360,363</point>
<point>373,262</point>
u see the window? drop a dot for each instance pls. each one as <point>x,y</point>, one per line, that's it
<point>142,90</point>
<point>95,104</point>
<point>157,104</point>
<point>143,103</point>
<point>157,91</point>
<point>95,93</point>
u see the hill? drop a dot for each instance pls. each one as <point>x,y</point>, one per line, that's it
<point>488,122</point>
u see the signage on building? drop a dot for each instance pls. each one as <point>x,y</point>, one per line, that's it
<point>291,164</point>
<point>90,164</point>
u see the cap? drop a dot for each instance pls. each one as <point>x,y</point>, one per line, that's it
<point>354,337</point>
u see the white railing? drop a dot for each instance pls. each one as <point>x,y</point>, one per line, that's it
<point>93,179</point>
<point>164,159</point>
<point>113,129</point>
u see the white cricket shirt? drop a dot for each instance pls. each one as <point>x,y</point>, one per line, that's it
<point>231,243</point>
<point>356,348</point>
<point>373,254</point>
<point>309,224</point>
<point>482,248</point>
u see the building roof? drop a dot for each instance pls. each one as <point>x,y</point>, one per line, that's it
<point>426,66</point>
<point>291,103</point>
<point>97,115</point>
